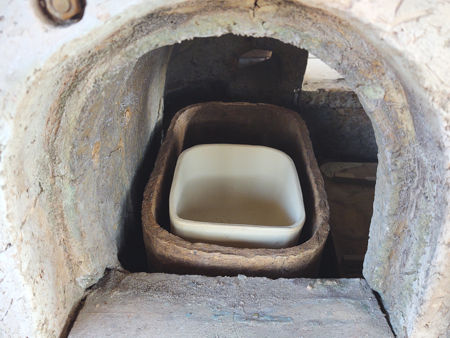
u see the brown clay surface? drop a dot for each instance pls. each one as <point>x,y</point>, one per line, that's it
<point>242,123</point>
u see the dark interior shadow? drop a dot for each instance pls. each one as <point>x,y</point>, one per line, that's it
<point>131,247</point>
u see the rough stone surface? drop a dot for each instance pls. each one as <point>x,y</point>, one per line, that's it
<point>87,151</point>
<point>394,54</point>
<point>162,305</point>
<point>340,129</point>
<point>208,69</point>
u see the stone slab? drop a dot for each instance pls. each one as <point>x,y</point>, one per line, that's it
<point>166,305</point>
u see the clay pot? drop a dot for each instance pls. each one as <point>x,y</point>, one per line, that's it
<point>236,123</point>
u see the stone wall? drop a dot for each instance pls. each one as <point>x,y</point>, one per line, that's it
<point>340,128</point>
<point>73,201</point>
<point>208,69</point>
<point>71,120</point>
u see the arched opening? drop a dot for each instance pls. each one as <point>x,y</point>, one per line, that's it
<point>77,145</point>
<point>220,69</point>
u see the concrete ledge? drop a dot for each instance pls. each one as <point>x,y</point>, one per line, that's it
<point>165,305</point>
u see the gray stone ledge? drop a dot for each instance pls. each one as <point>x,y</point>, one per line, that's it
<point>165,305</point>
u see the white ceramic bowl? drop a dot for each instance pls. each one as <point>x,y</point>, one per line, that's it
<point>236,195</point>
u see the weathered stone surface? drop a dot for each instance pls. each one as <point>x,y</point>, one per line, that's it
<point>340,129</point>
<point>394,54</point>
<point>207,69</point>
<point>77,169</point>
<point>162,305</point>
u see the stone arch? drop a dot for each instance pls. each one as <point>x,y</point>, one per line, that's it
<point>69,121</point>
